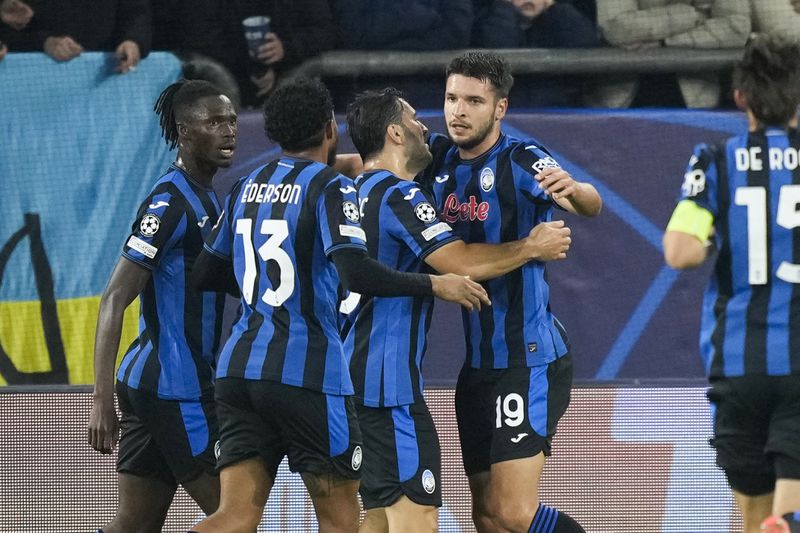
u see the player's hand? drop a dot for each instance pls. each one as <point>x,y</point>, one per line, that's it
<point>271,51</point>
<point>264,83</point>
<point>62,48</point>
<point>15,13</point>
<point>129,56</point>
<point>103,426</point>
<point>461,290</point>
<point>557,182</point>
<point>549,241</point>
<point>3,50</point>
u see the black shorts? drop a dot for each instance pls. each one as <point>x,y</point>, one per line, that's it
<point>318,432</point>
<point>756,428</point>
<point>510,413</point>
<point>401,455</point>
<point>172,440</point>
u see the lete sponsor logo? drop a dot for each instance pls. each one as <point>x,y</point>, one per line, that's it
<point>470,209</point>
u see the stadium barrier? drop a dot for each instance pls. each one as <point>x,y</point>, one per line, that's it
<point>626,459</point>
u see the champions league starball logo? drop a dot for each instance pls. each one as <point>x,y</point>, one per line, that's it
<point>149,225</point>
<point>351,211</point>
<point>425,212</point>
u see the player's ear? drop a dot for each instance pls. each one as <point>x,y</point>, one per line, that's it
<point>394,132</point>
<point>330,129</point>
<point>500,108</point>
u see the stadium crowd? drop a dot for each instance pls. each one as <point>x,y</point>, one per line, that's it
<point>208,35</point>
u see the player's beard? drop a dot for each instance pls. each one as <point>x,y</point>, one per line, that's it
<point>481,132</point>
<point>418,155</point>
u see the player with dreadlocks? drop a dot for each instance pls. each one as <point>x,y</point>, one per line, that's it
<point>164,384</point>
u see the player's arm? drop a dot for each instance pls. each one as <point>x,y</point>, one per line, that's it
<point>127,281</point>
<point>574,196</point>
<point>360,273</point>
<point>686,238</point>
<point>349,165</point>
<point>547,241</point>
<point>214,274</point>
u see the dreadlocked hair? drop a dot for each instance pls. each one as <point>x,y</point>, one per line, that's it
<point>175,99</point>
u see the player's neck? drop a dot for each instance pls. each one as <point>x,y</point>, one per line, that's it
<point>318,154</point>
<point>481,148</point>
<point>394,162</point>
<point>202,174</point>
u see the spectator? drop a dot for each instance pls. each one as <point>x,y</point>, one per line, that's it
<point>14,14</point>
<point>705,24</point>
<point>415,25</point>
<point>301,29</point>
<point>776,17</point>
<point>63,29</point>
<point>533,24</point>
<point>796,4</point>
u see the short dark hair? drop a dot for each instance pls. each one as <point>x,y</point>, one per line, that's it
<point>369,115</point>
<point>485,66</point>
<point>769,77</point>
<point>175,99</point>
<point>295,114</point>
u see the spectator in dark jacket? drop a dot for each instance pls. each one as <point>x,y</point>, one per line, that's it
<point>14,16</point>
<point>64,28</point>
<point>414,25</point>
<point>300,29</point>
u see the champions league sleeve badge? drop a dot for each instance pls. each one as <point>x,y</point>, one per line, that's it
<point>149,225</point>
<point>350,211</point>
<point>425,212</point>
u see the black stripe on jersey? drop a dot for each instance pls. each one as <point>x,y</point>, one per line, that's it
<point>440,147</point>
<point>241,352</point>
<point>139,343</point>
<point>722,267</point>
<point>193,299</point>
<point>794,303</point>
<point>477,233</point>
<point>506,189</point>
<point>413,369</point>
<point>281,319</point>
<point>408,219</point>
<point>307,229</point>
<point>755,339</point>
<point>526,159</point>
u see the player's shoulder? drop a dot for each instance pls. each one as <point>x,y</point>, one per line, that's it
<point>439,142</point>
<point>530,155</point>
<point>167,190</point>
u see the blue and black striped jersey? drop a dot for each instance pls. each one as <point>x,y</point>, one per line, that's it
<point>179,327</point>
<point>279,226</point>
<point>386,341</point>
<point>751,309</point>
<point>494,199</point>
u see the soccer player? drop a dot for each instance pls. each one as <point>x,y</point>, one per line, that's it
<point>400,485</point>
<point>290,231</point>
<point>515,384</point>
<point>164,383</point>
<point>744,192</point>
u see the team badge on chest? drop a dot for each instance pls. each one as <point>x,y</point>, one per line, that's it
<point>487,179</point>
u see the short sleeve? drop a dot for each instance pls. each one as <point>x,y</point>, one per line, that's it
<point>339,216</point>
<point>159,226</point>
<point>700,179</point>
<point>530,158</point>
<point>415,220</point>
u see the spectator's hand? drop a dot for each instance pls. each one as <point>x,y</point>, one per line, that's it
<point>129,56</point>
<point>62,48</point>
<point>271,51</point>
<point>530,9</point>
<point>3,50</point>
<point>264,83</point>
<point>796,5</point>
<point>15,13</point>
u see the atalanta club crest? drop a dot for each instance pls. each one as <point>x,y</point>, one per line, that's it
<point>487,179</point>
<point>428,481</point>
<point>355,462</point>
<point>149,225</point>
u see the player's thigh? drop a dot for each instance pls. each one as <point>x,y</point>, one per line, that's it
<point>475,415</point>
<point>742,409</point>
<point>374,522</point>
<point>402,456</point>
<point>783,444</point>
<point>406,515</point>
<point>248,426</point>
<point>143,504</point>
